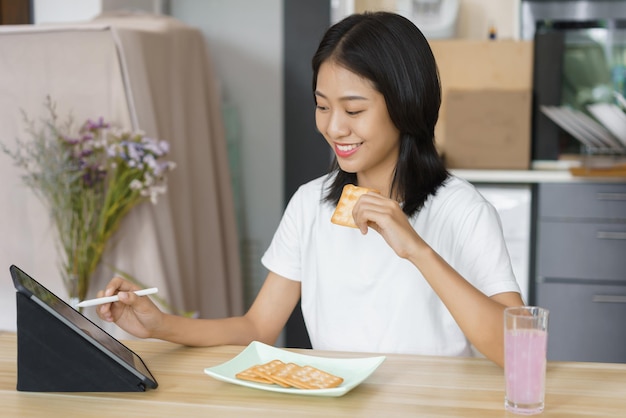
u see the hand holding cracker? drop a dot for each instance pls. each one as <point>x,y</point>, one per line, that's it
<point>343,211</point>
<point>384,215</point>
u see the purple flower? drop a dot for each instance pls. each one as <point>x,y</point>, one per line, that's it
<point>94,126</point>
<point>70,141</point>
<point>93,175</point>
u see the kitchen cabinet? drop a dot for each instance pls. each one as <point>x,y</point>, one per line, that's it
<point>580,269</point>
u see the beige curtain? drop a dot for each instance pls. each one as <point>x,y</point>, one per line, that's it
<point>139,71</point>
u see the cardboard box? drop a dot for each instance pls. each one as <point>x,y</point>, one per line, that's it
<point>488,129</point>
<point>485,115</point>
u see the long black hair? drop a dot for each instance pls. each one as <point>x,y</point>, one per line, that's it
<point>391,52</point>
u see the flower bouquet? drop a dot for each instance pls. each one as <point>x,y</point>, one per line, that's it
<point>88,179</point>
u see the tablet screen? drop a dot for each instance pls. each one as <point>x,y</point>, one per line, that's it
<point>82,325</point>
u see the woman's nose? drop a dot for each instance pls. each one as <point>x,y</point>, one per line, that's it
<point>337,126</point>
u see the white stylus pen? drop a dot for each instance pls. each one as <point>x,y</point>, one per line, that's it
<point>115,298</point>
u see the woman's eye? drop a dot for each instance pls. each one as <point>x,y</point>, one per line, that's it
<point>320,107</point>
<point>353,112</point>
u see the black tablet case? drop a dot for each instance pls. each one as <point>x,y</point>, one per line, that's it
<point>52,357</point>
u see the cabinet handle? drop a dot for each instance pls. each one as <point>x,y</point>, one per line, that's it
<point>611,196</point>
<point>610,235</point>
<point>608,299</point>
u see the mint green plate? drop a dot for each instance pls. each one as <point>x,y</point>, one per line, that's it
<point>352,370</point>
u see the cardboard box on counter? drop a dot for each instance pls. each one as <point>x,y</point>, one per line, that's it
<point>485,116</point>
<point>488,129</point>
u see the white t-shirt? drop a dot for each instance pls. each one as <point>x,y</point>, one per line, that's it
<point>358,295</point>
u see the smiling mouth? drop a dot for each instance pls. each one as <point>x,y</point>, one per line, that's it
<point>348,148</point>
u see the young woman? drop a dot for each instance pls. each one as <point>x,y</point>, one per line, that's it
<point>427,270</point>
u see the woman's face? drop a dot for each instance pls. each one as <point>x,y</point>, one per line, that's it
<point>354,120</point>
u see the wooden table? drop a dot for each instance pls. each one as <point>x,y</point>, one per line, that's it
<point>403,386</point>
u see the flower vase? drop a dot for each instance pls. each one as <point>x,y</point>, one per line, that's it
<point>72,286</point>
<point>89,179</point>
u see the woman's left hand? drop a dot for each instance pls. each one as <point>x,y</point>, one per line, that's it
<point>386,217</point>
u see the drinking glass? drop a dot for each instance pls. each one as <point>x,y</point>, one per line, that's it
<point>525,346</point>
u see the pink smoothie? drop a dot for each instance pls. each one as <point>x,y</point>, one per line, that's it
<point>524,367</point>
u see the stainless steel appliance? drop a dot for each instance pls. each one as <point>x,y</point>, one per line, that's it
<point>579,59</point>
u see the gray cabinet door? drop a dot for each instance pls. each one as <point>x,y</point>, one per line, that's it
<point>586,321</point>
<point>581,250</point>
<point>580,269</point>
<point>582,201</point>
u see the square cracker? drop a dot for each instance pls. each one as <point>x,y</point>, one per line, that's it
<point>250,375</point>
<point>261,372</point>
<point>343,212</point>
<point>280,373</point>
<point>308,377</point>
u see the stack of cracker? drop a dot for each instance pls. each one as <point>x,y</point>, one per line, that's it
<point>290,375</point>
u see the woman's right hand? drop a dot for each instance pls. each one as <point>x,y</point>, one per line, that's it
<point>137,315</point>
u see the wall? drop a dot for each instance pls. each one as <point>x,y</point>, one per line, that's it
<point>476,16</point>
<point>51,11</point>
<point>64,10</point>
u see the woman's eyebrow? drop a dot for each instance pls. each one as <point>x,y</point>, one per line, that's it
<point>344,98</point>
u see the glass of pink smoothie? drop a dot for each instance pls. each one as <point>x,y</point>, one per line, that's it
<point>525,344</point>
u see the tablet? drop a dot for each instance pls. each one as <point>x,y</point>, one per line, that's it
<point>84,327</point>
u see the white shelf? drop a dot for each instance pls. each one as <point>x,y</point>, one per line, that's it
<point>528,176</point>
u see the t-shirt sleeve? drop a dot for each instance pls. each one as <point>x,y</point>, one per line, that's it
<point>481,249</point>
<point>283,255</point>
